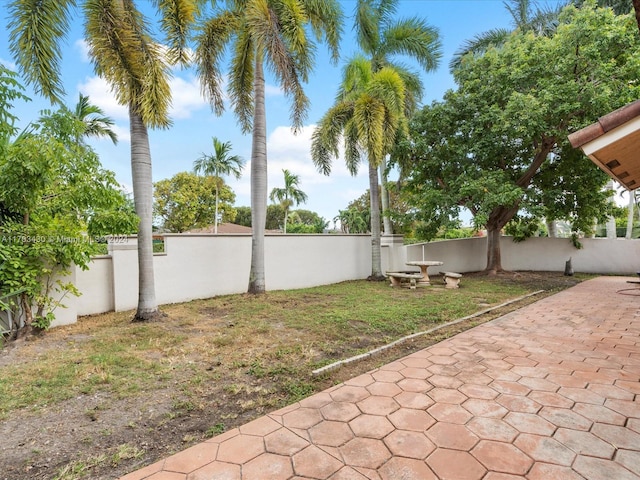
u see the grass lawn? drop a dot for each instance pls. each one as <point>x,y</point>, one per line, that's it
<point>138,392</point>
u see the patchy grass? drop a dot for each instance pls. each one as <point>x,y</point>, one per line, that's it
<point>213,364</point>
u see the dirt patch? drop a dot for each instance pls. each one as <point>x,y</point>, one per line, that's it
<point>199,393</point>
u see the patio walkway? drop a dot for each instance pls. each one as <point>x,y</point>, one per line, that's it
<point>551,391</point>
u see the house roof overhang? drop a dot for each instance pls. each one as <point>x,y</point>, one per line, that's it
<point>613,143</point>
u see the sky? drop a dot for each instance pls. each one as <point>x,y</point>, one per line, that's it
<point>194,124</point>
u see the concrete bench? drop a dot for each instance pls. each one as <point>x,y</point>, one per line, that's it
<point>451,279</point>
<point>400,278</point>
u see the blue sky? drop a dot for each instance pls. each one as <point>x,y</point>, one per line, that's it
<point>194,124</point>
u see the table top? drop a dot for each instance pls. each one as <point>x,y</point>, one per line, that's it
<point>424,263</point>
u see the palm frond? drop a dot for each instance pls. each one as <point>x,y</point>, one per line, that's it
<point>326,137</point>
<point>241,79</point>
<point>326,20</point>
<point>36,29</point>
<point>415,38</point>
<point>479,45</point>
<point>368,115</point>
<point>176,19</point>
<point>211,44</point>
<point>367,26</point>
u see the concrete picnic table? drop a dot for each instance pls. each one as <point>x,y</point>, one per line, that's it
<point>424,264</point>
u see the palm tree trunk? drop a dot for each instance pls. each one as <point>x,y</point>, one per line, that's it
<point>215,220</point>
<point>384,197</point>
<point>374,198</point>
<point>258,184</point>
<point>286,215</point>
<point>143,199</point>
<point>631,204</point>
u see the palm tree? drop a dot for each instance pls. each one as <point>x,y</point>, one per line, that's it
<point>219,164</point>
<point>381,38</point>
<point>276,34</point>
<point>96,123</point>
<point>126,55</point>
<point>526,15</point>
<point>288,195</point>
<point>368,114</point>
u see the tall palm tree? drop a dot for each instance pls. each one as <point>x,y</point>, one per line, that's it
<point>96,123</point>
<point>526,15</point>
<point>382,38</point>
<point>126,55</point>
<point>274,33</point>
<point>368,114</point>
<point>219,164</point>
<point>289,195</point>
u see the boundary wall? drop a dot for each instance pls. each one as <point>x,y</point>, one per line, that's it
<point>205,265</point>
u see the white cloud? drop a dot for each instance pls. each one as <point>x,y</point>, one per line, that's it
<point>273,91</point>
<point>186,97</point>
<point>83,48</point>
<point>8,64</point>
<point>100,94</point>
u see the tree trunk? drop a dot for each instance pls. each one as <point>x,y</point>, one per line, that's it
<point>611,221</point>
<point>630,216</point>
<point>494,261</point>
<point>552,228</point>
<point>258,184</point>
<point>143,199</point>
<point>384,198</point>
<point>286,216</point>
<point>376,263</point>
<point>215,220</point>
<point>636,7</point>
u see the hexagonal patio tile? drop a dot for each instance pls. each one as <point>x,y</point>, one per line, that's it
<point>410,419</point>
<point>217,470</point>
<point>340,411</point>
<point>546,471</point>
<point>444,412</point>
<point>502,457</point>
<point>406,469</point>
<point>629,459</point>
<point>447,395</point>
<point>545,449</point>
<point>484,408</point>
<point>365,452</point>
<point>492,429</point>
<point>621,437</point>
<point>444,381</point>
<point>376,405</point>
<point>590,467</point>
<point>482,392</point>
<point>284,442</point>
<point>510,388</point>
<point>371,426</point>
<point>529,423</point>
<point>347,393</point>
<point>584,443</point>
<point>384,389</point>
<point>455,465</point>
<point>419,401</point>
<point>240,449</point>
<point>453,436</point>
<point>347,473</point>
<point>517,403</point>
<point>268,467</point>
<point>409,444</point>
<point>414,385</point>
<point>302,418</point>
<point>563,417</point>
<point>332,434</point>
<point>551,399</point>
<point>386,376</point>
<point>313,462</point>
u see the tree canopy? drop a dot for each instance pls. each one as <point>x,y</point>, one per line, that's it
<point>187,201</point>
<point>498,144</point>
<point>55,198</point>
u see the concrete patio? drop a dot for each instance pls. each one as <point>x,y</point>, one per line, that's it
<point>551,391</point>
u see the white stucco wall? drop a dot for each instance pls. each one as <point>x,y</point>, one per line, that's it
<point>206,265</point>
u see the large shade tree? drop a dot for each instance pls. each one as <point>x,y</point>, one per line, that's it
<point>280,35</point>
<point>288,195</point>
<point>498,144</point>
<point>216,165</point>
<point>125,53</point>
